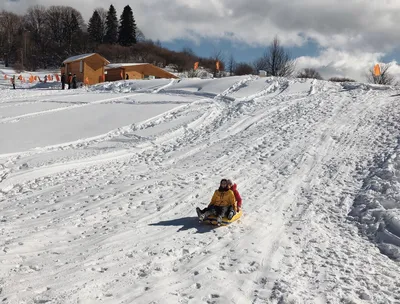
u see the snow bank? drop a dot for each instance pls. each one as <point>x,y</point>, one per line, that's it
<point>364,86</point>
<point>377,207</point>
<point>98,190</point>
<point>127,86</point>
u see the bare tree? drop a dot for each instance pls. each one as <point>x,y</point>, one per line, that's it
<point>384,78</point>
<point>140,37</point>
<point>10,38</point>
<point>188,51</point>
<point>73,23</point>
<point>35,37</point>
<point>231,65</point>
<point>243,69</point>
<point>103,17</point>
<point>217,56</point>
<point>309,73</point>
<point>259,64</point>
<point>341,79</point>
<point>276,61</point>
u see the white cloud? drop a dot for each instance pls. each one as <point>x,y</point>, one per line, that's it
<point>337,63</point>
<point>351,33</point>
<point>341,24</point>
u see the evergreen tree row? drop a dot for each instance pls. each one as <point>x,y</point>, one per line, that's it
<point>110,31</point>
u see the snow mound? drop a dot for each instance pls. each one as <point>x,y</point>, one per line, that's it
<point>127,86</point>
<point>377,207</point>
<point>365,86</point>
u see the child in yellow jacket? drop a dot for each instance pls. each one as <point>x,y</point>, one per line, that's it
<point>222,200</point>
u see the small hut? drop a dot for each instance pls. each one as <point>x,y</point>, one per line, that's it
<point>89,67</point>
<point>119,71</point>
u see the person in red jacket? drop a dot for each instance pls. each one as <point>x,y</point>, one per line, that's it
<point>222,201</point>
<point>238,199</point>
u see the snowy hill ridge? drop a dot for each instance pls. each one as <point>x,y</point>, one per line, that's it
<point>98,189</point>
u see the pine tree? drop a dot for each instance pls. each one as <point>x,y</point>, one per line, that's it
<point>111,26</point>
<point>95,28</point>
<point>127,28</point>
<point>71,21</point>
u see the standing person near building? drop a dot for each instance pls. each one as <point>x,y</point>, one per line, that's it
<point>63,81</point>
<point>69,82</point>
<point>13,81</point>
<point>74,86</point>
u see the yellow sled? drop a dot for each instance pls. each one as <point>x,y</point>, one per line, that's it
<point>212,219</point>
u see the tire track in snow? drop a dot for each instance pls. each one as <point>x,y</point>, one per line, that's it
<point>279,168</point>
<point>70,107</point>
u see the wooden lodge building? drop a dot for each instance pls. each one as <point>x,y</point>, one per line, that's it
<point>90,67</point>
<point>118,71</point>
<point>94,68</point>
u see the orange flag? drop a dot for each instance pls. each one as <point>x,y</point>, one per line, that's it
<point>5,76</point>
<point>57,77</point>
<point>122,75</point>
<point>217,65</point>
<point>87,80</point>
<point>31,78</point>
<point>377,70</point>
<point>196,65</point>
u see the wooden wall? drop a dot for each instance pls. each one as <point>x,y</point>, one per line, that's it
<point>113,74</point>
<point>134,74</point>
<point>137,72</point>
<point>73,68</point>
<point>151,70</point>
<point>91,67</point>
<point>94,69</point>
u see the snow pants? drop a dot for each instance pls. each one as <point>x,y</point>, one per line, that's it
<point>216,210</point>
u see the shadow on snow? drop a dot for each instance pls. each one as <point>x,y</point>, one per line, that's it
<point>187,223</point>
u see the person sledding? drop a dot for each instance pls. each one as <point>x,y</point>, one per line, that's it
<point>220,204</point>
<point>232,210</point>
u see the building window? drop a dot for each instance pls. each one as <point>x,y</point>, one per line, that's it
<point>81,66</point>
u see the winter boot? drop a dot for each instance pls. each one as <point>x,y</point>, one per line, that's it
<point>198,210</point>
<point>201,215</point>
<point>231,214</point>
<point>219,220</point>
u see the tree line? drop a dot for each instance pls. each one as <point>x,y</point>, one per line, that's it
<point>45,36</point>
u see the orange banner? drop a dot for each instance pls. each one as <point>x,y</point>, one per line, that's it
<point>377,70</point>
<point>217,65</point>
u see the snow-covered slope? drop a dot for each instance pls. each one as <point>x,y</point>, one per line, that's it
<point>98,190</point>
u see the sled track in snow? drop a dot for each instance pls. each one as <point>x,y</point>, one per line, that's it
<point>122,221</point>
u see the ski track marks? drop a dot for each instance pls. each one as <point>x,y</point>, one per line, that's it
<point>112,220</point>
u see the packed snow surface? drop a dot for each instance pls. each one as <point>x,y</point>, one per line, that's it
<point>99,185</point>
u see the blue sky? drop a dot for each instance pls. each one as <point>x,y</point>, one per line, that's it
<point>336,37</point>
<point>241,52</point>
